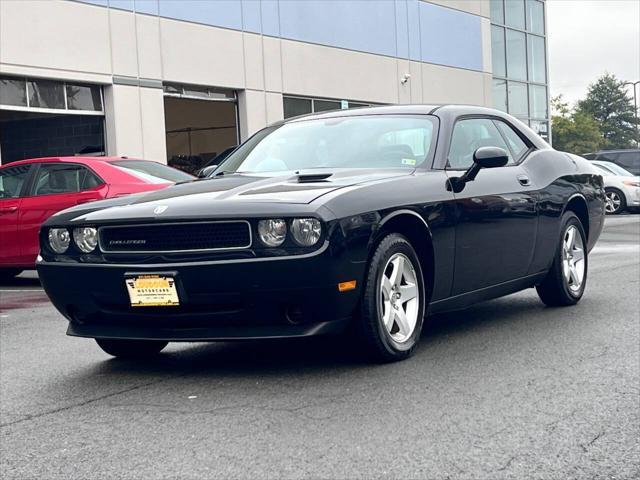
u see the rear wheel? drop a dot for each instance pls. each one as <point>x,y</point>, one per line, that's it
<point>9,273</point>
<point>567,278</point>
<point>134,349</point>
<point>393,304</point>
<point>615,201</point>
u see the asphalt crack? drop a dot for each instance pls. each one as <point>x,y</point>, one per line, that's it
<point>34,416</point>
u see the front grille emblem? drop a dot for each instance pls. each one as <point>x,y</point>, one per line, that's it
<point>160,209</point>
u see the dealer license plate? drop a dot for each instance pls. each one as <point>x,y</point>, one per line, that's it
<point>152,291</point>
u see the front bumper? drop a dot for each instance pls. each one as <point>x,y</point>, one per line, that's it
<point>633,196</point>
<point>294,296</point>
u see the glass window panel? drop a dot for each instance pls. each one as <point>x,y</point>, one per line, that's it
<point>12,180</point>
<point>192,91</point>
<point>518,104</point>
<point>13,91</point>
<point>45,94</point>
<point>173,89</point>
<point>518,147</point>
<point>497,11</point>
<point>324,105</point>
<point>500,94</point>
<point>498,51</point>
<point>516,55</point>
<point>357,105</point>
<point>84,97</point>
<point>514,13</point>
<point>537,68</point>
<point>296,106</point>
<point>538,101</point>
<point>535,16</point>
<point>55,179</point>
<point>221,94</point>
<point>469,135</point>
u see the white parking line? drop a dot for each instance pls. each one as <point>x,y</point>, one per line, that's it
<point>21,290</point>
<point>616,248</point>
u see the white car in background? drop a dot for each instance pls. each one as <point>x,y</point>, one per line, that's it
<point>621,186</point>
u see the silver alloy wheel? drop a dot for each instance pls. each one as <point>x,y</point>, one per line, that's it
<point>573,259</point>
<point>399,297</point>
<point>613,202</point>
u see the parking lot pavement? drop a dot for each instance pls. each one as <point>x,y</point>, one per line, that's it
<point>506,389</point>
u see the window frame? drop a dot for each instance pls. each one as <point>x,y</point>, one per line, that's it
<point>39,165</point>
<point>493,118</point>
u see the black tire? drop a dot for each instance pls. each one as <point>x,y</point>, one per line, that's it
<point>555,289</point>
<point>132,349</point>
<point>620,195</point>
<point>376,341</point>
<point>7,274</point>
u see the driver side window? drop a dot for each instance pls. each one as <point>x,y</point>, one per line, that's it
<point>471,134</point>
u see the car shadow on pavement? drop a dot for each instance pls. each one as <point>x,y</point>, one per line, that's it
<point>320,355</point>
<point>27,279</point>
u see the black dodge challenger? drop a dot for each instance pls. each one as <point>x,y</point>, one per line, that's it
<point>370,219</point>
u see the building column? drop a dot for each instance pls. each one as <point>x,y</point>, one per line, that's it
<point>134,118</point>
<point>257,108</point>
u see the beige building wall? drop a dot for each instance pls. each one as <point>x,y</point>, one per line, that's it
<point>132,54</point>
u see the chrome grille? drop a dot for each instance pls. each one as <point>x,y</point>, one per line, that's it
<point>175,237</point>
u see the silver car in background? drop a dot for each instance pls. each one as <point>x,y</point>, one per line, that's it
<point>621,186</point>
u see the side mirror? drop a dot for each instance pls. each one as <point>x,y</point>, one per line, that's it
<point>206,171</point>
<point>490,157</point>
<point>483,157</point>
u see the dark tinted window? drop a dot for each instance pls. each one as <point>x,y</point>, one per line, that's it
<point>13,91</point>
<point>608,156</point>
<point>53,179</point>
<point>471,134</point>
<point>45,94</point>
<point>83,97</point>
<point>325,105</point>
<point>629,159</point>
<point>12,179</point>
<point>296,106</point>
<point>153,172</point>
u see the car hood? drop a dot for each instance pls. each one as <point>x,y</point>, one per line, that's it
<point>233,194</point>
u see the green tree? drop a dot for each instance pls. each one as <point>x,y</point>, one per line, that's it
<point>609,104</point>
<point>573,131</point>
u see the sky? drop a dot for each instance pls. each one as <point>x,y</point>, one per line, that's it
<point>589,37</point>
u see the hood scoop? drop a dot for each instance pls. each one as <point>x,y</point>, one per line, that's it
<point>313,177</point>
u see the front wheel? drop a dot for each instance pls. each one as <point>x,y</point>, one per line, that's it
<point>131,349</point>
<point>393,303</point>
<point>567,278</point>
<point>615,201</point>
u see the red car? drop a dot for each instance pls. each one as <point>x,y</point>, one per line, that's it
<point>33,190</point>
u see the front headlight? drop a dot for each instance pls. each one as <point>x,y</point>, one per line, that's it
<point>59,239</point>
<point>86,238</point>
<point>272,232</point>
<point>306,231</point>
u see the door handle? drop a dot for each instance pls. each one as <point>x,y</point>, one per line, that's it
<point>11,209</point>
<point>524,180</point>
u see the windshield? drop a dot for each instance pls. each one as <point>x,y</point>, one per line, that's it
<point>152,172</point>
<point>375,141</point>
<point>617,169</point>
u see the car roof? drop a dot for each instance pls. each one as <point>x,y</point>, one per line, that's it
<point>426,109</point>
<point>78,159</point>
<point>444,111</point>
